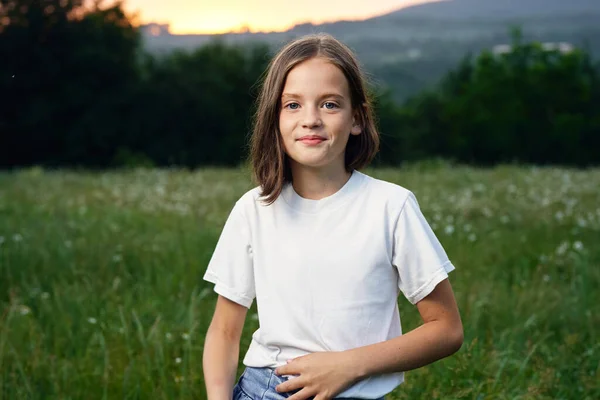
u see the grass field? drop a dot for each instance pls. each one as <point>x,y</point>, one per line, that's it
<point>101,291</point>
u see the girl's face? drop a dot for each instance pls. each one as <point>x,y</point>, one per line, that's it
<point>316,103</point>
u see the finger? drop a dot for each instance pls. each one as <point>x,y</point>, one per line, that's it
<point>282,370</point>
<point>288,386</point>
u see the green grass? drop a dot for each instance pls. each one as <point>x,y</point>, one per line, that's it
<point>102,297</point>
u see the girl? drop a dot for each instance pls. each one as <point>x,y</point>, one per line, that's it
<point>324,249</point>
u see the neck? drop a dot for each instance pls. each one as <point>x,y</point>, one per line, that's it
<point>318,183</point>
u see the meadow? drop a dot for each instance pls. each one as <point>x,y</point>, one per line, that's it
<point>102,297</point>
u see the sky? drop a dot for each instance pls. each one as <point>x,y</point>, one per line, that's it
<point>219,16</point>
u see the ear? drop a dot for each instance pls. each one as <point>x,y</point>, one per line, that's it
<point>356,123</point>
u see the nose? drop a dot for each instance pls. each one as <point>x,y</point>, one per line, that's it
<point>311,118</point>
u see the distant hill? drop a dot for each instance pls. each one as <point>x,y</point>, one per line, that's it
<point>496,9</point>
<point>411,48</point>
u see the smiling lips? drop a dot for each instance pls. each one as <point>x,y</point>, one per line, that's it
<point>312,140</point>
<point>311,137</point>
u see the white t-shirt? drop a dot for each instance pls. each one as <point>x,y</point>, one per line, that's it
<point>326,274</point>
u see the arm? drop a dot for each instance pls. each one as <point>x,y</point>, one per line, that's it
<point>440,336</point>
<point>221,349</point>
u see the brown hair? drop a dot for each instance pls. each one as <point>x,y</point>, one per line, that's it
<point>268,161</point>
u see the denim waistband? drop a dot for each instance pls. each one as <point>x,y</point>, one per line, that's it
<point>259,384</point>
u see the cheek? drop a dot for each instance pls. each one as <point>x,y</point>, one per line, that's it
<point>286,128</point>
<point>284,138</point>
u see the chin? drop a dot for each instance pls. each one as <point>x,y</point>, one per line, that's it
<point>312,163</point>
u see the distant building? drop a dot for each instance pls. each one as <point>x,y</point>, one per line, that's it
<point>562,47</point>
<point>155,29</point>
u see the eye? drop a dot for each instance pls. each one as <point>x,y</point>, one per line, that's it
<point>292,106</point>
<point>330,105</point>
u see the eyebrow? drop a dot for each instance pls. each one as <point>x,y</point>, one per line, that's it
<point>297,96</point>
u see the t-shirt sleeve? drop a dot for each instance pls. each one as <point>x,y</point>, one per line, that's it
<point>231,266</point>
<point>418,255</point>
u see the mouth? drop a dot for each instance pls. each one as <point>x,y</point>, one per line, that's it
<point>312,137</point>
<point>311,140</point>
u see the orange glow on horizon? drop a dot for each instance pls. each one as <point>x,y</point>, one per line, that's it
<point>206,17</point>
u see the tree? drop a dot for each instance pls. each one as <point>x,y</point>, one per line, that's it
<point>531,105</point>
<point>65,72</point>
<point>195,108</point>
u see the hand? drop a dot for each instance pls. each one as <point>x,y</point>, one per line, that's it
<point>322,374</point>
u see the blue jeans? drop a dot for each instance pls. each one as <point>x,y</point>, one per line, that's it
<point>260,383</point>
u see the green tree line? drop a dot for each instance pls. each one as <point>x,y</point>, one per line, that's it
<point>78,90</point>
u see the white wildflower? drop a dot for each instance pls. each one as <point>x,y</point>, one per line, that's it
<point>185,336</point>
<point>116,283</point>
<point>92,320</point>
<point>479,187</point>
<point>17,237</point>
<point>449,229</point>
<point>578,245</point>
<point>24,310</point>
<point>546,278</point>
<point>562,248</point>
<point>472,237</point>
<point>570,202</point>
<point>178,360</point>
<point>559,215</point>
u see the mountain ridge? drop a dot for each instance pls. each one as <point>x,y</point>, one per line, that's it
<point>496,9</point>
<point>411,48</point>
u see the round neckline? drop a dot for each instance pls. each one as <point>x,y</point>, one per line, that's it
<point>309,206</point>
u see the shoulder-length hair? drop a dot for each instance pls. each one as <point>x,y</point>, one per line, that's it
<point>269,163</point>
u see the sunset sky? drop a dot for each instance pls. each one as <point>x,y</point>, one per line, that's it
<point>218,16</point>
